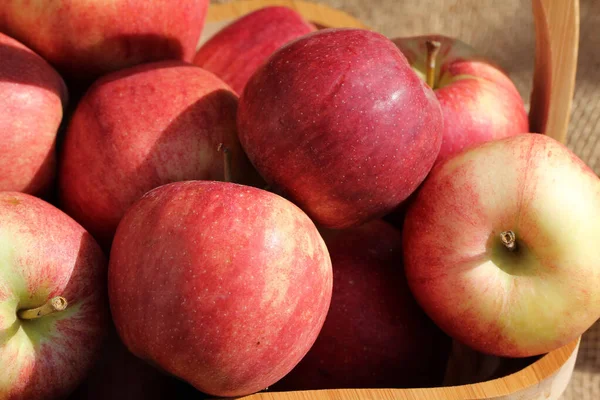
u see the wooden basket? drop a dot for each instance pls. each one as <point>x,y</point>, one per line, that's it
<point>557,36</point>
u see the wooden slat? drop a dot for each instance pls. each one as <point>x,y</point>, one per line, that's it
<point>316,13</point>
<point>557,40</point>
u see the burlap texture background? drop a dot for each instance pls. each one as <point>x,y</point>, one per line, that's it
<point>503,30</point>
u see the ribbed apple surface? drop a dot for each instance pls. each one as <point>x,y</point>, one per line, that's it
<point>47,262</point>
<point>223,285</point>
<point>339,123</point>
<point>501,246</point>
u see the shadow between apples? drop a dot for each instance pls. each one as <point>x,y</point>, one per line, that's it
<point>120,375</point>
<point>128,71</point>
<point>120,52</point>
<point>45,173</point>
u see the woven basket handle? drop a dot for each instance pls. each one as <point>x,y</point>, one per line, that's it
<point>557,39</point>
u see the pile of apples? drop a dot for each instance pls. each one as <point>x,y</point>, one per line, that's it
<point>284,207</point>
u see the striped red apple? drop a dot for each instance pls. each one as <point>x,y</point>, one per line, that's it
<point>223,285</point>
<point>501,246</point>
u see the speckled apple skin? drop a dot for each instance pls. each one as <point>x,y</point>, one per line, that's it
<point>223,285</point>
<point>341,125</point>
<point>43,254</point>
<point>32,100</point>
<point>519,304</point>
<point>140,128</point>
<point>375,334</point>
<point>479,101</point>
<point>84,39</point>
<point>235,52</point>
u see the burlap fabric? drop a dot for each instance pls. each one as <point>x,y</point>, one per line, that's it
<point>503,30</point>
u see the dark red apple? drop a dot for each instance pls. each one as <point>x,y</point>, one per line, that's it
<point>375,334</point>
<point>140,128</point>
<point>235,52</point>
<point>31,110</point>
<point>223,285</point>
<point>341,125</point>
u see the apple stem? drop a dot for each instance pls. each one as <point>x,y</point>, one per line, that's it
<point>54,305</point>
<point>433,48</point>
<point>509,239</point>
<point>226,162</point>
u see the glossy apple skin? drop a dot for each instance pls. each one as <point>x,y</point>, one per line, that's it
<point>375,335</point>
<point>479,101</point>
<point>44,254</point>
<point>223,285</point>
<point>339,123</point>
<point>86,39</point>
<point>519,304</point>
<point>33,96</point>
<point>235,52</point>
<point>139,128</point>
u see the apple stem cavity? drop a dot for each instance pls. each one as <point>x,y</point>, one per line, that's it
<point>509,240</point>
<point>54,305</point>
<point>433,48</point>
<point>226,162</point>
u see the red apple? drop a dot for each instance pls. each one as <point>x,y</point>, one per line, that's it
<point>501,246</point>
<point>48,262</point>
<point>223,285</point>
<point>235,52</point>
<point>339,122</point>
<point>85,39</point>
<point>479,101</point>
<point>31,110</point>
<point>142,127</point>
<point>375,334</point>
